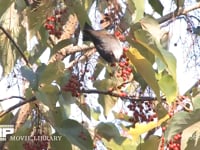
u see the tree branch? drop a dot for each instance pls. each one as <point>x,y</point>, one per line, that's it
<point>18,105</point>
<point>178,13</point>
<point>11,97</point>
<point>130,97</point>
<point>16,45</point>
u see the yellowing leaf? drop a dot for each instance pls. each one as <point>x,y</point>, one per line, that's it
<point>143,128</point>
<point>144,67</point>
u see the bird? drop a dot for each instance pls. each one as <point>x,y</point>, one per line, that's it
<point>107,45</point>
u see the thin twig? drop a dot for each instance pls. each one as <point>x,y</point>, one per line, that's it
<point>16,45</point>
<point>17,105</point>
<point>175,13</point>
<point>11,97</point>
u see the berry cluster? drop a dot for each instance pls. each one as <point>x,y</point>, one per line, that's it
<point>36,143</point>
<point>142,111</point>
<point>173,144</point>
<point>73,86</point>
<point>54,24</point>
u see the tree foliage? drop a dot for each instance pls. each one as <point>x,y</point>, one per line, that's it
<point>143,83</point>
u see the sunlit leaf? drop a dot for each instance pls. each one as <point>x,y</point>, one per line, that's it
<point>6,118</point>
<point>4,5</point>
<point>180,121</point>
<point>139,12</point>
<point>145,39</point>
<point>143,128</point>
<point>169,87</point>
<point>190,137</point>
<point>157,6</point>
<point>76,134</point>
<point>8,56</point>
<point>152,26</point>
<point>145,69</point>
<point>107,102</point>
<point>95,113</point>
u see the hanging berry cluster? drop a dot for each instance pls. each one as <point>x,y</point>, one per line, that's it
<point>142,111</point>
<point>173,144</point>
<point>54,24</point>
<point>73,86</point>
<point>125,69</point>
<point>37,142</point>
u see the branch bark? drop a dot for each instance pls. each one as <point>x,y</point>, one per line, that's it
<point>176,13</point>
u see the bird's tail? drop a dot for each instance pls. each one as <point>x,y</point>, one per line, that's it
<point>86,29</point>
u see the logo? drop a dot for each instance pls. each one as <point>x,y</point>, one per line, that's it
<point>6,130</point>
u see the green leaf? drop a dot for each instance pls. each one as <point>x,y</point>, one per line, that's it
<point>190,138</point>
<point>4,5</point>
<point>196,102</point>
<point>76,134</point>
<point>107,102</point>
<point>65,105</point>
<point>126,145</point>
<point>146,40</point>
<point>64,144</point>
<point>128,17</point>
<point>169,87</point>
<point>103,128</point>
<point>61,44</point>
<point>30,76</point>
<point>48,94</point>
<point>23,131</point>
<point>20,5</point>
<point>95,113</point>
<point>55,116</point>
<point>152,26</point>
<point>85,109</point>
<point>160,111</point>
<point>139,12</point>
<point>148,73</point>
<point>37,17</point>
<point>157,6</point>
<point>7,54</point>
<point>98,69</point>
<point>180,3</point>
<point>152,143</point>
<point>53,71</point>
<point>101,84</point>
<point>180,121</point>
<point>77,7</point>
<point>6,118</point>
